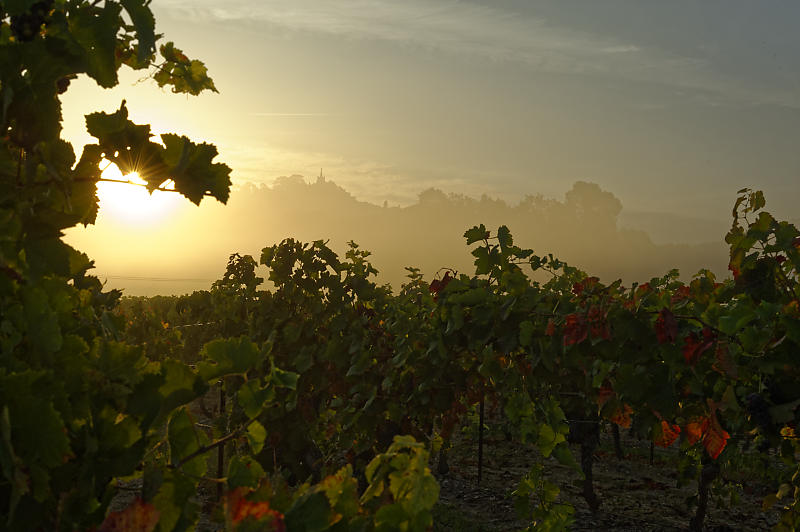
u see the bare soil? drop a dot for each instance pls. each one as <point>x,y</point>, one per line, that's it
<point>635,495</point>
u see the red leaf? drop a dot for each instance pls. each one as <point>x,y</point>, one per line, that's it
<point>575,329</point>
<point>792,308</point>
<point>551,328</point>
<point>715,438</point>
<point>622,416</point>
<point>666,327</point>
<point>683,292</point>
<point>599,324</point>
<point>724,363</point>
<point>603,395</point>
<point>437,285</point>
<point>695,429</point>
<point>694,346</point>
<point>239,509</point>
<point>577,288</point>
<point>710,432</point>
<point>138,517</point>
<point>667,434</point>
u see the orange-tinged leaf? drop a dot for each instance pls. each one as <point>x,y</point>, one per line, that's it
<point>695,429</point>
<point>724,364</point>
<point>710,433</point>
<point>622,417</point>
<point>715,438</point>
<point>138,517</point>
<point>239,509</point>
<point>603,395</point>
<point>683,292</point>
<point>667,435</point>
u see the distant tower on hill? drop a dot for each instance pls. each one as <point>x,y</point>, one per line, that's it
<point>320,178</point>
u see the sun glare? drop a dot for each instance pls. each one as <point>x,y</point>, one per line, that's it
<point>132,203</point>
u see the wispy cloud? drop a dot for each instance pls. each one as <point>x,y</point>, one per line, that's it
<point>452,26</point>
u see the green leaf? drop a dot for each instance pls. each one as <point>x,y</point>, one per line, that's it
<point>310,513</point>
<point>95,29</point>
<point>476,234</point>
<point>342,491</point>
<point>736,317</point>
<point>256,434</point>
<point>177,510</point>
<point>228,357</point>
<point>526,330</point>
<point>192,169</point>
<point>184,439</point>
<point>391,517</point>
<point>504,237</point>
<point>284,379</point>
<point>37,432</point>
<point>548,439</point>
<point>144,23</point>
<point>253,398</point>
<point>44,330</point>
<point>244,471</point>
<point>564,455</point>
<point>181,384</point>
<point>183,74</point>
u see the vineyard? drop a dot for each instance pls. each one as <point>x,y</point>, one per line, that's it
<point>325,401</point>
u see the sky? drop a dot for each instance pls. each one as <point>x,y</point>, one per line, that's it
<point>670,106</point>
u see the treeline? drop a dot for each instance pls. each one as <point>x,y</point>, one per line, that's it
<point>583,228</point>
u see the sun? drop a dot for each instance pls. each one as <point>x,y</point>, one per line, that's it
<point>130,203</point>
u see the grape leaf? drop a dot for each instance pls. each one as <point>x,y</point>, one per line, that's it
<point>191,169</point>
<point>95,29</point>
<point>144,23</point>
<point>666,434</point>
<point>138,517</point>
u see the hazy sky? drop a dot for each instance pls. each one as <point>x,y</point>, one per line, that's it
<point>671,106</point>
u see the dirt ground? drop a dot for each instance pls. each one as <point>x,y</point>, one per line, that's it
<point>635,496</point>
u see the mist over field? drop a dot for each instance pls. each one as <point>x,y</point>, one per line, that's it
<point>431,117</point>
<point>588,228</point>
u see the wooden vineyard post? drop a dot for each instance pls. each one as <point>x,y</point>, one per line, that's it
<point>617,444</point>
<point>480,437</point>
<point>221,448</point>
